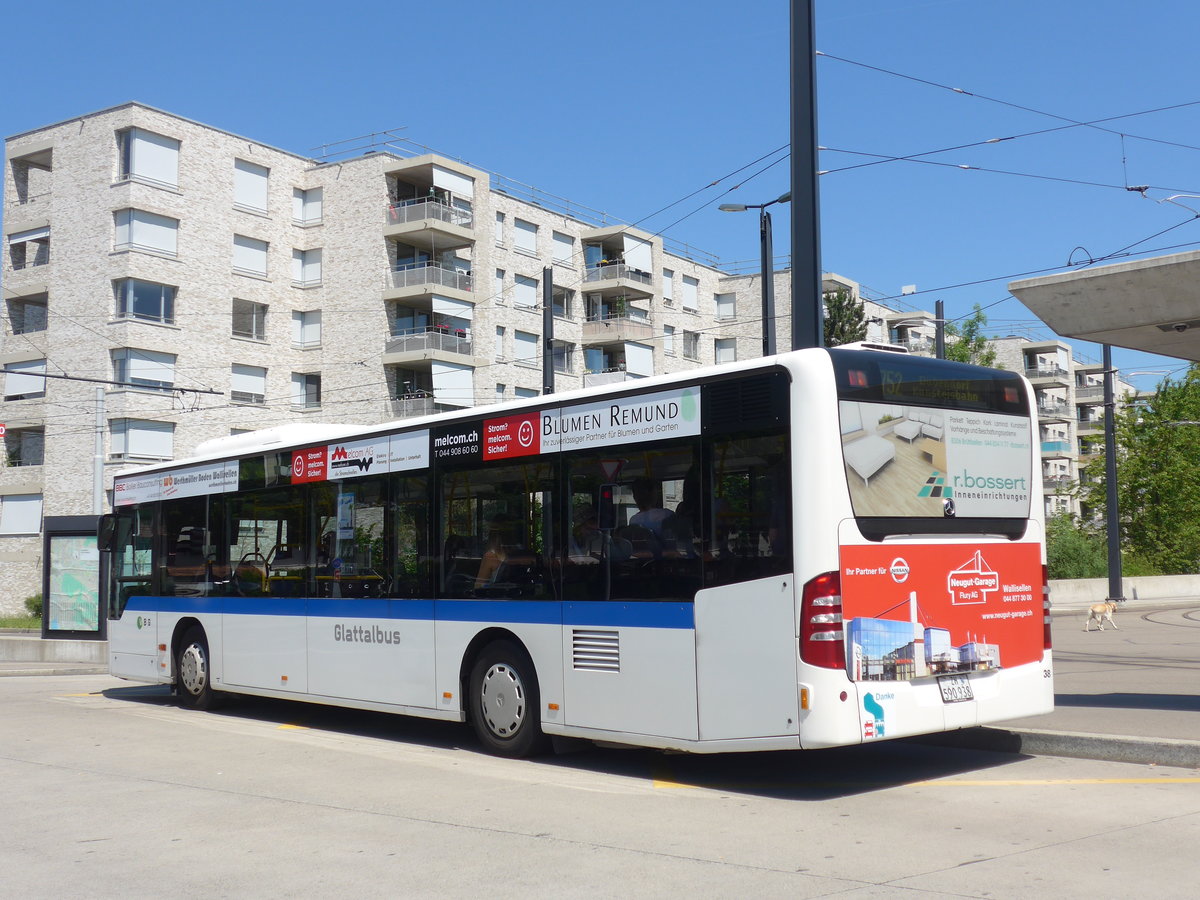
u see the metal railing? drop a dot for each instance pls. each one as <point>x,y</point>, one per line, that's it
<point>1090,392</point>
<point>421,274</point>
<point>424,209</point>
<point>412,403</point>
<point>430,337</point>
<point>616,270</point>
<point>1046,371</point>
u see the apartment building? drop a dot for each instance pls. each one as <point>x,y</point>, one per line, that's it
<point>226,285</point>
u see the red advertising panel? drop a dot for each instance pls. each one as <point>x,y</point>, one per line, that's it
<point>914,610</point>
<point>512,436</point>
<point>308,465</point>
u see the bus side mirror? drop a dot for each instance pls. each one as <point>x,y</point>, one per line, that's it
<point>606,513</point>
<point>112,532</point>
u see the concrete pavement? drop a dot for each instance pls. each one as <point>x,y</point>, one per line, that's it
<point>1129,694</point>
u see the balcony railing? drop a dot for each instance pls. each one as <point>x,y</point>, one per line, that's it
<point>1056,446</point>
<point>1091,392</point>
<point>413,403</point>
<point>1051,408</point>
<point>421,274</point>
<point>1050,370</point>
<point>431,337</point>
<point>611,375</point>
<point>424,209</point>
<point>616,270</point>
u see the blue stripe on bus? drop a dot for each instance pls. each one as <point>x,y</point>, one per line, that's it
<point>637,614</point>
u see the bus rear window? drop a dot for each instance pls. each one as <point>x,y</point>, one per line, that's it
<point>946,444</point>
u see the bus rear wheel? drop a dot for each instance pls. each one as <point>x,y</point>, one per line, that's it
<point>504,703</point>
<point>193,674</point>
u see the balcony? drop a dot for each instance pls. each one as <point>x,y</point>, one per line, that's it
<point>617,328</point>
<point>1056,448</point>
<point>1093,393</point>
<point>1090,424</point>
<point>429,342</point>
<point>617,278</point>
<point>411,405</point>
<point>430,224</point>
<point>416,278</point>
<point>1053,409</point>
<point>1047,372</point>
<point>1056,482</point>
<point>614,375</point>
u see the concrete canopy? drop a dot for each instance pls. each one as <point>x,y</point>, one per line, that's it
<point>1151,304</point>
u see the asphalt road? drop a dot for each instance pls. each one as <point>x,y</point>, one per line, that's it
<point>111,790</point>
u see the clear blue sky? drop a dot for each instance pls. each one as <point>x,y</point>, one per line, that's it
<point>628,107</point>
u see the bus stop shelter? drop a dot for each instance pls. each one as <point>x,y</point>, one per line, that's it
<point>1149,304</point>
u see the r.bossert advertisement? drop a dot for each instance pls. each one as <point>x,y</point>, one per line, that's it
<point>930,462</point>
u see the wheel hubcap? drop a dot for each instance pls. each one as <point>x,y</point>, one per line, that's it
<point>503,700</point>
<point>193,669</point>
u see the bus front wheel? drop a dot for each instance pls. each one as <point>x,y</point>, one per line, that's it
<point>193,674</point>
<point>504,705</point>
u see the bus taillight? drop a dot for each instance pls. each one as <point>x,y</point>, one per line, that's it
<point>1046,642</point>
<point>822,640</point>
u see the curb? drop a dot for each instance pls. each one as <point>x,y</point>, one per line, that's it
<point>1076,745</point>
<point>51,669</point>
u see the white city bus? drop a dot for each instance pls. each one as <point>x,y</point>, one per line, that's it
<point>818,549</point>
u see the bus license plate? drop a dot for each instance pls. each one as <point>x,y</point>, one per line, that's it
<point>955,688</point>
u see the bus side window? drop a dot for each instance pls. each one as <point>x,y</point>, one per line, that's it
<point>747,532</point>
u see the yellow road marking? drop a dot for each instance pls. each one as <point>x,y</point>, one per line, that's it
<point>293,728</point>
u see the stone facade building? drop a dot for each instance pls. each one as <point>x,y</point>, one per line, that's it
<point>229,286</point>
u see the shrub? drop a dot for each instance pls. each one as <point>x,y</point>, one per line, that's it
<point>34,605</point>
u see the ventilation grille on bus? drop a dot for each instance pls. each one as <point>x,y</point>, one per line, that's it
<point>595,651</point>
<point>746,402</point>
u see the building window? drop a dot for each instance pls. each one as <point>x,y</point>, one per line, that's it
<point>725,350</point>
<point>30,248</point>
<point>499,342</point>
<point>307,206</point>
<point>499,293</point>
<point>248,384</point>
<point>27,315</point>
<point>526,292</point>
<point>499,393</point>
<point>249,256</point>
<point>525,348</point>
<point>691,294</point>
<point>250,186</point>
<point>564,302</point>
<point>564,248</point>
<point>306,268</point>
<point>500,228</point>
<point>669,340</point>
<point>141,439</point>
<point>145,231</point>
<point>25,446</point>
<point>21,514</point>
<point>525,393</point>
<point>306,329</point>
<point>146,300</point>
<point>249,319</point>
<point>148,158</point>
<point>24,381</point>
<point>691,345</point>
<point>668,287</point>
<point>563,356</point>
<point>408,320</point>
<point>306,390</point>
<point>526,237</point>
<point>726,305</point>
<point>144,369</point>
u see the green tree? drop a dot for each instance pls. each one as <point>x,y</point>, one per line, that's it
<point>845,318</point>
<point>966,342</point>
<point>1158,481</point>
<point>1073,551</point>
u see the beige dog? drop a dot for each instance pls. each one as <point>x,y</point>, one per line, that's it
<point>1101,613</point>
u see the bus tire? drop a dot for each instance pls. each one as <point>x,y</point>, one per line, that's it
<point>193,672</point>
<point>504,703</point>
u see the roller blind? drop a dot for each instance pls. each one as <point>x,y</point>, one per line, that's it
<point>639,359</point>
<point>21,514</point>
<point>250,185</point>
<point>21,378</point>
<point>526,236</point>
<point>154,157</point>
<point>250,255</point>
<point>453,385</point>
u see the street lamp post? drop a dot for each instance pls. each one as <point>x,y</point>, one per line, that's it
<point>767,268</point>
